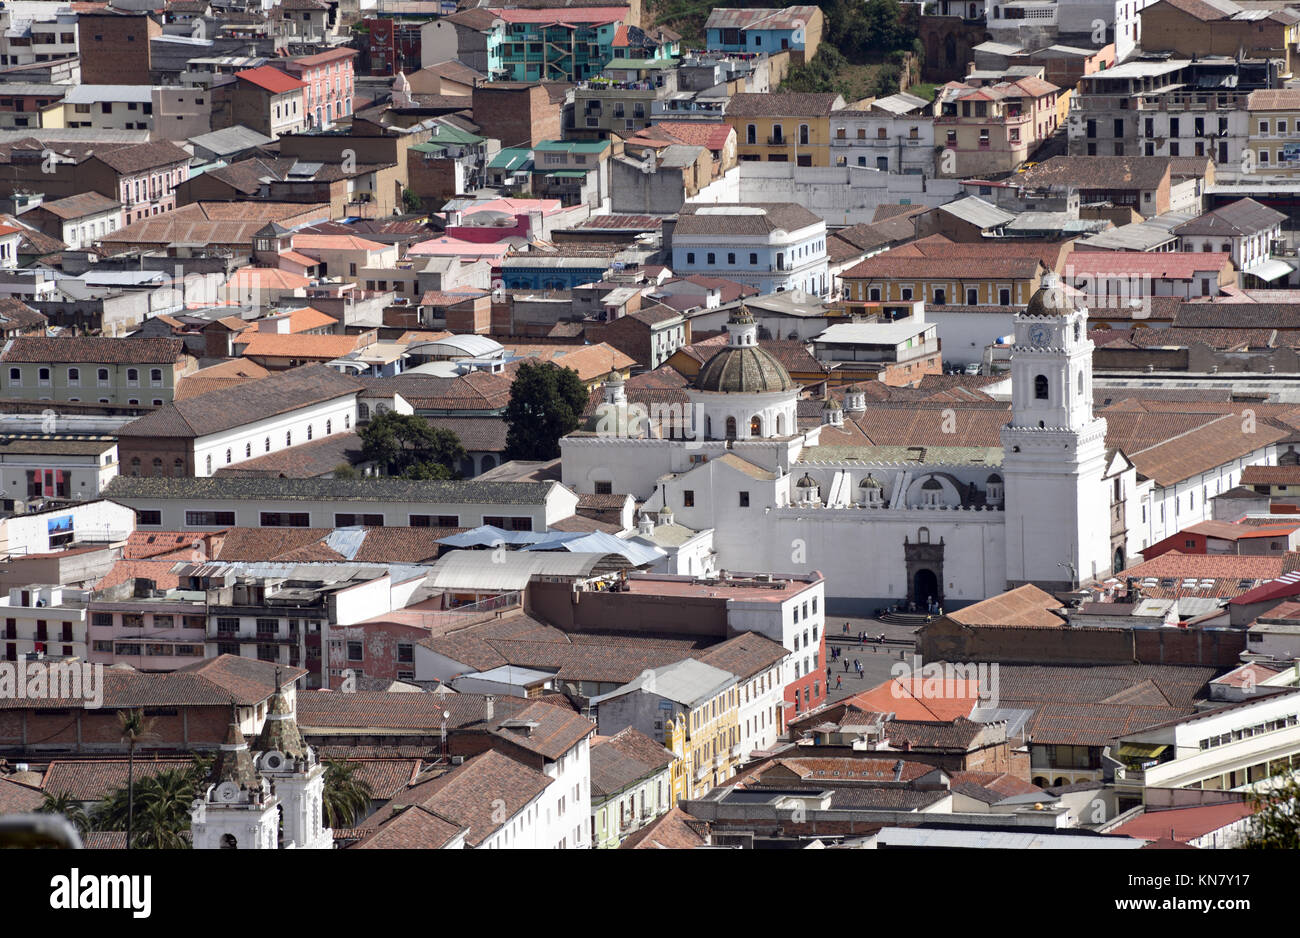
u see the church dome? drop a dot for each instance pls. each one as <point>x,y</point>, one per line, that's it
<point>930,484</point>
<point>806,482</point>
<point>870,482</point>
<point>747,370</point>
<point>994,479</point>
<point>832,404</point>
<point>743,367</point>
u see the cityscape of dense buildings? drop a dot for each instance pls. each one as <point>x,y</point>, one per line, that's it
<point>541,424</point>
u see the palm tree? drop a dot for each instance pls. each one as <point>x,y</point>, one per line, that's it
<point>63,803</point>
<point>135,727</point>
<point>164,802</point>
<point>347,798</point>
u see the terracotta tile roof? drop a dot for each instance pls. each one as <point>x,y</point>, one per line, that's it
<point>785,104</point>
<point>1100,172</point>
<point>1161,265</point>
<point>1218,441</point>
<point>218,377</point>
<point>220,681</point>
<point>245,403</point>
<point>17,798</point>
<point>786,216</point>
<point>98,349</point>
<point>708,134</point>
<point>160,571</point>
<point>291,345</point>
<point>81,205</point>
<point>96,779</point>
<point>144,545</point>
<point>1215,566</point>
<point>266,278</point>
<point>626,757</point>
<point>907,700</point>
<point>1270,475</point>
<point>415,828</point>
<point>271,79</point>
<point>477,390</point>
<point>1024,606</point>
<point>139,157</point>
<point>584,15</point>
<point>676,830</point>
<point>314,242</point>
<point>744,655</point>
<point>15,312</point>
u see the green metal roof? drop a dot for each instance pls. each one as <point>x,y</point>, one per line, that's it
<point>450,133</point>
<point>572,146</point>
<point>511,158</point>
<point>641,63</point>
<point>569,174</point>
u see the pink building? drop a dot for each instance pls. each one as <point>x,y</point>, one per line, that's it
<point>328,77</point>
<point>498,219</point>
<point>148,175</point>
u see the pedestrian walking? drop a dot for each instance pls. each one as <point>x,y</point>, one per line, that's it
<point>838,681</point>
<point>846,626</point>
<point>846,665</point>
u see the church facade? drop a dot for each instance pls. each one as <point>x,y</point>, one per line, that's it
<point>884,524</point>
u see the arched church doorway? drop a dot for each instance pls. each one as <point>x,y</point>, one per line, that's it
<point>731,428</point>
<point>1119,560</point>
<point>925,587</point>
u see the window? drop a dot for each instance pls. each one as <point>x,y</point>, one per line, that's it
<point>285,519</point>
<point>688,498</point>
<point>434,521</point>
<point>1040,387</point>
<point>149,518</point>
<point>155,377</point>
<point>74,377</point>
<point>744,499</point>
<point>16,376</point>
<point>43,376</point>
<point>352,520</point>
<point>132,377</point>
<point>103,377</point>
<point>690,257</point>
<point>210,519</point>
<point>604,488</point>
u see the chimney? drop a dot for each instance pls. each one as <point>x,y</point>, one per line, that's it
<point>489,708</point>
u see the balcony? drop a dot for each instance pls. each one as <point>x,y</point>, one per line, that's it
<point>777,141</point>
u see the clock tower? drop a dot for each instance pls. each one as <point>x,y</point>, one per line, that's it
<point>234,808</point>
<point>1054,451</point>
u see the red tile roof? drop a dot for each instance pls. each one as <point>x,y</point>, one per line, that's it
<point>271,79</point>
<point>1183,824</point>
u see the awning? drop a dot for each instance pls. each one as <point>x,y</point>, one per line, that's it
<point>1138,752</point>
<point>1270,270</point>
<point>575,174</point>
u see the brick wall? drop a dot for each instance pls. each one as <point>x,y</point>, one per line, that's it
<point>114,49</point>
<point>517,115</point>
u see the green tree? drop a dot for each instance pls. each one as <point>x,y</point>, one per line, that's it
<point>820,74</point>
<point>1276,824</point>
<point>346,799</point>
<point>63,803</point>
<point>412,202</point>
<point>409,446</point>
<point>157,808</point>
<point>546,402</point>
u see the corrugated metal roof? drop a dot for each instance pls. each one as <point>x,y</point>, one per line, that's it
<point>509,570</point>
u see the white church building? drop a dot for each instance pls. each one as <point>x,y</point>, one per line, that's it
<point>955,525</point>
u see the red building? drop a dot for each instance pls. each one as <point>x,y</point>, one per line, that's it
<point>393,46</point>
<point>328,77</point>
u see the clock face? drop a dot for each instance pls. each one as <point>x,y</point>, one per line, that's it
<point>227,791</point>
<point>1038,335</point>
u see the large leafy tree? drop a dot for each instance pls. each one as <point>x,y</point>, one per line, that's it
<point>347,798</point>
<point>409,446</point>
<point>1276,823</point>
<point>546,402</point>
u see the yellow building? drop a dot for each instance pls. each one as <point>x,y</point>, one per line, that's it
<point>791,127</point>
<point>1274,131</point>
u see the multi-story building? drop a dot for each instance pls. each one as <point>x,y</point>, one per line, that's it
<point>135,622</point>
<point>631,785</point>
<point>771,246</point>
<point>1167,107</point>
<point>797,29</point>
<point>269,101</point>
<point>1190,28</point>
<point>115,48</point>
<point>328,79</point>
<point>78,220</point>
<point>622,99</point>
<point>1246,230</point>
<point>704,696</point>
<point>168,113</point>
<point>792,127</point>
<point>47,621</point>
<point>143,178</point>
<point>884,141</point>
<point>94,369</point>
<point>58,467</point>
<point>198,435</point>
<point>302,20</point>
<point>532,45</point>
<point>993,128</point>
<point>575,172</point>
<point>32,32</point>
<point>22,103</point>
<point>1273,131</point>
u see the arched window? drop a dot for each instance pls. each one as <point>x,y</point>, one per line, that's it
<point>1040,387</point>
<point>363,411</point>
<point>157,466</point>
<point>248,450</point>
<point>178,468</point>
<point>756,425</point>
<point>780,424</point>
<point>228,455</point>
<point>288,438</point>
<point>347,421</point>
<point>208,463</point>
<point>309,431</point>
<point>268,444</point>
<point>228,842</point>
<point>731,428</point>
<point>329,427</point>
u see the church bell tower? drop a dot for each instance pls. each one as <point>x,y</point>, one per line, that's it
<point>1054,451</point>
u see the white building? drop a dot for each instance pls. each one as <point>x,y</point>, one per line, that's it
<point>771,246</point>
